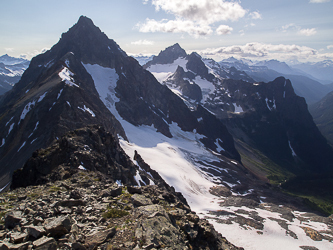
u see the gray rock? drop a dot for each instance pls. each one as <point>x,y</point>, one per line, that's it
<point>12,219</point>
<point>45,243</point>
<point>58,226</point>
<point>17,237</point>
<point>9,246</point>
<point>140,200</point>
<point>35,231</point>
<point>98,238</point>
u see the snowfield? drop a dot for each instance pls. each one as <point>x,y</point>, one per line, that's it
<point>181,161</point>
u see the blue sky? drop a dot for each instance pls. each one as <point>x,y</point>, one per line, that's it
<point>257,29</point>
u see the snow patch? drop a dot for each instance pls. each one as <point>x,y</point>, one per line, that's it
<point>292,150</point>
<point>10,128</point>
<point>42,97</point>
<point>66,76</point>
<point>21,147</point>
<point>3,142</point>
<point>163,71</point>
<point>218,146</point>
<point>26,110</point>
<point>84,109</point>
<point>138,178</point>
<point>238,108</point>
<point>68,103</point>
<point>105,80</point>
<point>33,141</point>
<point>82,168</point>
<point>9,121</point>
<point>59,94</point>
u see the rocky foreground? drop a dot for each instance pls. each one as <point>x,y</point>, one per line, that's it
<point>68,206</point>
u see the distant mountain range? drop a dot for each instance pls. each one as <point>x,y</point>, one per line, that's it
<point>11,70</point>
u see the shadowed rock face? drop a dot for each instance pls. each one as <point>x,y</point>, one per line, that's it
<point>91,148</point>
<point>277,121</point>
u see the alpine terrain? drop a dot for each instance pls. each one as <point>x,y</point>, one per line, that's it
<point>11,70</point>
<point>98,152</point>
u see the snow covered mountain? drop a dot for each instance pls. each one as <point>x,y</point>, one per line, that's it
<point>259,115</point>
<point>304,84</point>
<point>86,79</point>
<point>11,70</point>
<point>321,70</point>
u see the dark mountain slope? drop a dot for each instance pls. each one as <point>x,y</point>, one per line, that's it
<point>322,113</point>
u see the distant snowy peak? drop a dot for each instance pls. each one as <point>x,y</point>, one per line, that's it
<point>8,60</point>
<point>142,59</point>
<point>167,56</point>
<point>11,70</point>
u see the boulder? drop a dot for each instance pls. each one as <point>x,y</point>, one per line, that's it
<point>58,226</point>
<point>98,238</point>
<point>140,200</point>
<point>45,243</point>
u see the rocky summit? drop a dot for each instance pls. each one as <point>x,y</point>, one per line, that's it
<point>66,197</point>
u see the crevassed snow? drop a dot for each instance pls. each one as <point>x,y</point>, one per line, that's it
<point>26,110</point>
<point>42,97</point>
<point>21,147</point>
<point>66,75</point>
<point>172,159</point>
<point>273,236</point>
<point>163,71</point>
<point>238,108</point>
<point>84,109</point>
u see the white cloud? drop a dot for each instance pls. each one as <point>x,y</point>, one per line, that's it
<point>9,49</point>
<point>319,1</point>
<point>143,42</point>
<point>210,11</point>
<point>307,32</point>
<point>175,26</point>
<point>262,51</point>
<point>300,31</point>
<point>223,30</point>
<point>194,17</point>
<point>34,53</point>
<point>330,46</point>
<point>255,15</point>
<point>289,26</point>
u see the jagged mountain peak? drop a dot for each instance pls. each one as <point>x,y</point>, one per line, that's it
<point>167,56</point>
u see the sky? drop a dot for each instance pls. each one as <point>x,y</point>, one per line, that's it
<point>257,30</point>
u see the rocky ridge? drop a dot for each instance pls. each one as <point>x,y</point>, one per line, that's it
<point>69,206</point>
